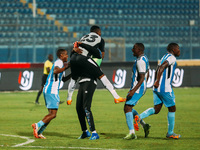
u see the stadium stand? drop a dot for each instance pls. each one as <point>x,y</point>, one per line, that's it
<point>59,23</point>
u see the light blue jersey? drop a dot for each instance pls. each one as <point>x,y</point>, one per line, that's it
<point>164,93</point>
<point>51,88</point>
<point>141,66</point>
<point>165,84</point>
<point>53,80</point>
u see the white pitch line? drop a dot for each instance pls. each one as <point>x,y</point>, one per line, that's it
<point>89,148</point>
<point>22,137</point>
<point>62,147</point>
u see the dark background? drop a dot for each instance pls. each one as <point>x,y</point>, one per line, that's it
<point>9,77</point>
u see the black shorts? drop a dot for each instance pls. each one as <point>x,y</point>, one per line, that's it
<point>44,78</point>
<point>81,65</point>
<point>84,99</point>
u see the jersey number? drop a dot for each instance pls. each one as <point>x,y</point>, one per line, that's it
<point>89,38</point>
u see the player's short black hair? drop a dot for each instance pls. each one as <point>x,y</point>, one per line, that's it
<point>171,46</point>
<point>140,46</point>
<point>94,28</point>
<point>60,51</point>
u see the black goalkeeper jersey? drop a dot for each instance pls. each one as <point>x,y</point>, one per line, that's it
<point>93,40</point>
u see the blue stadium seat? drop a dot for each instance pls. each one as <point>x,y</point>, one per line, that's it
<point>144,20</point>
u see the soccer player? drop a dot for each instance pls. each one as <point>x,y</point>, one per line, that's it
<point>84,98</point>
<point>83,104</point>
<point>97,56</point>
<point>83,63</point>
<point>162,90</point>
<point>51,93</point>
<point>138,87</point>
<point>47,67</point>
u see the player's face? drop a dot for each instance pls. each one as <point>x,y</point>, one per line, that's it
<point>99,32</point>
<point>51,57</point>
<point>135,50</point>
<point>176,51</point>
<point>64,56</point>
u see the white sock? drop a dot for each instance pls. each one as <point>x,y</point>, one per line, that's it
<point>109,86</point>
<point>85,131</point>
<point>71,88</point>
<point>94,131</point>
<point>132,131</point>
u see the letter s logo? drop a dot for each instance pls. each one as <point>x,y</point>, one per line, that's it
<point>178,77</point>
<point>151,79</point>
<point>25,80</point>
<point>119,78</point>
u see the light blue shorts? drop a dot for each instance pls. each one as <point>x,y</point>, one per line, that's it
<point>51,100</point>
<point>167,98</point>
<point>134,99</point>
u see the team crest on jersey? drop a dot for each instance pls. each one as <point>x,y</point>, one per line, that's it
<point>119,78</point>
<point>25,80</point>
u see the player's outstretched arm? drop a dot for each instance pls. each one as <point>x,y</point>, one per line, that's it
<point>59,70</point>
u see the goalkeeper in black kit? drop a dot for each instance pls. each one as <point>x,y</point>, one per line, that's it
<point>82,63</point>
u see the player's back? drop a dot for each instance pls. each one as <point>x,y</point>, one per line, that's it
<point>93,40</point>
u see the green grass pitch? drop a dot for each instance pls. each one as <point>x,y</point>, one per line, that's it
<point>18,112</point>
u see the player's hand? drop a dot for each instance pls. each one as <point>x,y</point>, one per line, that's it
<point>131,93</point>
<point>77,50</point>
<point>67,65</point>
<point>128,98</point>
<point>76,44</point>
<point>69,102</point>
<point>156,84</point>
